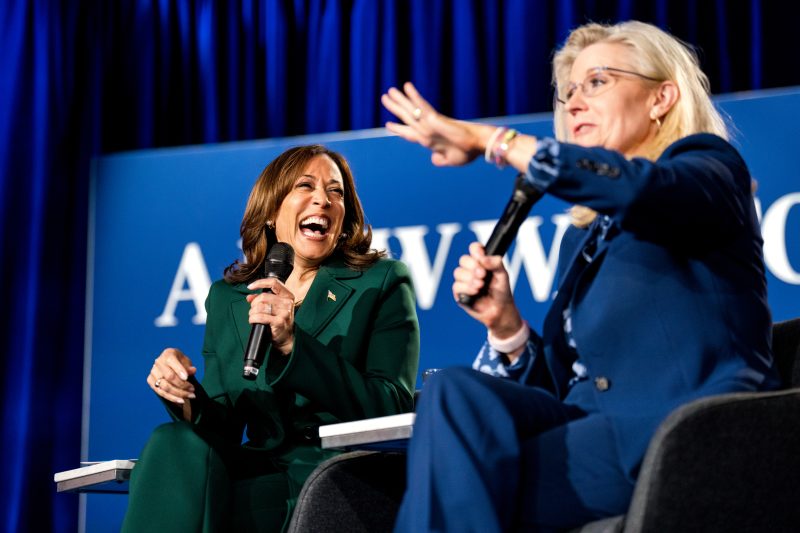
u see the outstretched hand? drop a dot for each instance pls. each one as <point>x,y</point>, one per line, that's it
<point>453,142</point>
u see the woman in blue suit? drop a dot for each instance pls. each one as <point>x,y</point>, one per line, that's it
<point>661,296</point>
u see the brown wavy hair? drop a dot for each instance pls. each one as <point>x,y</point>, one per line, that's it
<point>269,191</point>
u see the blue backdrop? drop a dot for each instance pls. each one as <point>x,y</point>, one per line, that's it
<point>90,77</point>
<point>165,224</point>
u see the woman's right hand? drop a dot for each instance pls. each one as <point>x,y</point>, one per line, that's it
<point>496,309</point>
<point>453,142</point>
<point>170,374</point>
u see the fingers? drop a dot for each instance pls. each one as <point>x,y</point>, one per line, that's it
<point>397,104</point>
<point>416,99</point>
<point>407,132</point>
<point>469,276</point>
<point>272,284</point>
<point>269,309</point>
<point>169,374</point>
<point>277,302</point>
<point>472,271</point>
<point>407,105</point>
<point>274,309</point>
<point>489,262</point>
<point>439,159</point>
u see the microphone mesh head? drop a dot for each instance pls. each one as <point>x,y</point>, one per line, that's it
<point>280,261</point>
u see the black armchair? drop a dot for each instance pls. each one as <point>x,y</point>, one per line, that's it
<point>723,463</point>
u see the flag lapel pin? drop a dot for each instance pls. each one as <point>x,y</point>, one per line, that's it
<point>331,296</point>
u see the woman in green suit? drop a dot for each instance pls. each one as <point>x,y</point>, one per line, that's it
<point>345,346</point>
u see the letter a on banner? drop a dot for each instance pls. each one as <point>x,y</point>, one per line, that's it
<point>193,274</point>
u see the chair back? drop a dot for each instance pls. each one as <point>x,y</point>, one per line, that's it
<point>357,492</point>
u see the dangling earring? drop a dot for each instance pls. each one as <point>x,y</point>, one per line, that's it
<point>657,120</point>
<point>343,236</point>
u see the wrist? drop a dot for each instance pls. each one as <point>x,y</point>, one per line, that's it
<point>284,347</point>
<point>484,135</point>
<point>505,341</point>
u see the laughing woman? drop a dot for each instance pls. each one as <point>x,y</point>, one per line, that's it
<point>345,346</point>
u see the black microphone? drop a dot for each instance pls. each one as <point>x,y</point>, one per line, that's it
<point>279,264</point>
<point>517,209</point>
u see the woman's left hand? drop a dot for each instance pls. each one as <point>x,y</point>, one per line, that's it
<point>274,309</point>
<point>453,142</point>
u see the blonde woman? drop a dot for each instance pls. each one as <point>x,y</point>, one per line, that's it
<point>662,295</point>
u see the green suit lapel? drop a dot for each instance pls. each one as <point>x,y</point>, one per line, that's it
<point>325,298</point>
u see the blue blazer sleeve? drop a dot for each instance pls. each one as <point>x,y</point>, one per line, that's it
<point>697,191</point>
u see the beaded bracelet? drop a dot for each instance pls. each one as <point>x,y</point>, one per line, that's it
<point>513,343</point>
<point>487,155</point>
<point>500,149</point>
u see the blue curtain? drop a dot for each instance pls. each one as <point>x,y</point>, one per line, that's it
<point>83,78</point>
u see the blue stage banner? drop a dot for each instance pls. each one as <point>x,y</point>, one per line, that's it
<point>165,223</point>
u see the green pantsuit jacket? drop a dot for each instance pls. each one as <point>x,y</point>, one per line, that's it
<point>355,355</point>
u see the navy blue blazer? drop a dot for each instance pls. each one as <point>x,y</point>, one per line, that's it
<point>672,305</point>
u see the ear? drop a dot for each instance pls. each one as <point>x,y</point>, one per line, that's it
<point>666,95</point>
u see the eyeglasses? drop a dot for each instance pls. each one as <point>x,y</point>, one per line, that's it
<point>598,81</point>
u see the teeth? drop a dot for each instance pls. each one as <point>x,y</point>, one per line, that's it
<point>316,220</point>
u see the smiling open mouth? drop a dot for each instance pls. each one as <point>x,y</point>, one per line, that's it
<point>314,227</point>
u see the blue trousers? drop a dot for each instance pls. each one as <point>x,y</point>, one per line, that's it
<point>493,455</point>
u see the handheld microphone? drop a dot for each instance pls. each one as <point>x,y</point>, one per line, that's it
<point>517,209</point>
<point>279,264</point>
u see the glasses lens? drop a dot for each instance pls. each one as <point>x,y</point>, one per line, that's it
<point>567,93</point>
<point>596,83</point>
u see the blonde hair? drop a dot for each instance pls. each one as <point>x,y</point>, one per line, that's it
<point>658,55</point>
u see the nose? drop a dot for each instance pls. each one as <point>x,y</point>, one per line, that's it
<point>321,197</point>
<point>576,101</point>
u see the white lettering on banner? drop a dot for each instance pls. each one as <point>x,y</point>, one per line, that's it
<point>773,228</point>
<point>539,267</point>
<point>192,282</point>
<point>415,254</point>
<point>193,273</point>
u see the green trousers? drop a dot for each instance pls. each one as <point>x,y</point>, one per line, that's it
<point>185,482</point>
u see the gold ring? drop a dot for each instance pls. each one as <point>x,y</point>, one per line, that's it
<point>269,309</point>
<point>158,382</point>
<point>417,113</point>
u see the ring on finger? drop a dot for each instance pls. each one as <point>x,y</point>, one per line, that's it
<point>269,309</point>
<point>158,383</point>
<point>417,113</point>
